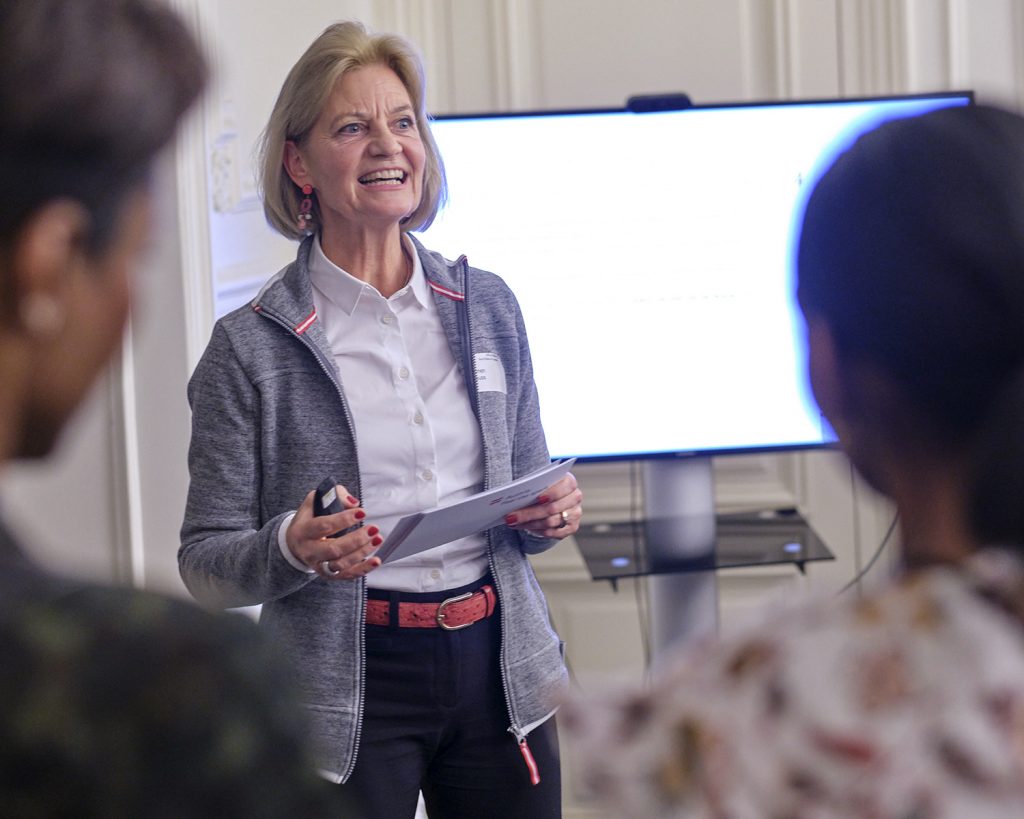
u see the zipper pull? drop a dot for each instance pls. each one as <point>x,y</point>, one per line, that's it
<point>531,763</point>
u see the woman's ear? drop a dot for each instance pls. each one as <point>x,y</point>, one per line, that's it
<point>48,249</point>
<point>295,165</point>
<point>824,371</point>
<point>859,402</point>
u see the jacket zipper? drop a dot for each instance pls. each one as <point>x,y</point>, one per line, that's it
<point>470,365</point>
<point>270,314</point>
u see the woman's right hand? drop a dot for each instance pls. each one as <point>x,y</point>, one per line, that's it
<point>335,558</point>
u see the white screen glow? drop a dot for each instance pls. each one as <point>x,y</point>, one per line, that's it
<point>650,254</point>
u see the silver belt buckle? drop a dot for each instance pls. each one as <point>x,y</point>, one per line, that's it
<point>440,611</point>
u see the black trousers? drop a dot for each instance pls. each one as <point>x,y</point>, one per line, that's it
<point>435,720</point>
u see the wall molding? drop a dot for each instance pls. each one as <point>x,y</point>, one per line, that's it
<point>764,75</point>
<point>959,50</point>
<point>430,26</point>
<point>516,69</point>
<point>127,503</point>
<point>1017,27</point>
<point>874,44</point>
<point>192,178</point>
<point>927,45</point>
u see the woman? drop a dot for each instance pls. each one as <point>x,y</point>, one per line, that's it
<point>408,378</point>
<point>910,701</point>
<point>113,703</point>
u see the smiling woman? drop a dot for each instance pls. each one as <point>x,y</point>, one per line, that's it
<point>365,160</point>
<point>407,376</point>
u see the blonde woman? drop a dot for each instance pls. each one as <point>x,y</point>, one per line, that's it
<point>408,378</point>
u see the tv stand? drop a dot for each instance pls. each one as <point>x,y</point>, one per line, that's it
<point>680,544</point>
<point>679,506</point>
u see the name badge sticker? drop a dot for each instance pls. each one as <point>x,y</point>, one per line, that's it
<point>490,374</point>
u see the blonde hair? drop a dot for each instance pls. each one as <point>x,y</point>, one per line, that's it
<point>341,48</point>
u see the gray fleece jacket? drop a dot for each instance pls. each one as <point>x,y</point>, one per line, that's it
<point>270,420</point>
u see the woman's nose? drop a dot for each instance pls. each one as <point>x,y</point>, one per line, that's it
<point>384,143</point>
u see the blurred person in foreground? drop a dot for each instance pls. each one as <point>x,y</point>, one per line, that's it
<point>408,378</point>
<point>113,703</point>
<point>908,702</point>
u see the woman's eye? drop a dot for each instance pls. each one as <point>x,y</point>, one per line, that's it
<point>350,128</point>
<point>405,123</point>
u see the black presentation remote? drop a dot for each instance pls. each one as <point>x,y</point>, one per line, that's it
<point>327,502</point>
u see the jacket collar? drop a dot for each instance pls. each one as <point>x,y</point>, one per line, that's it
<point>288,295</point>
<point>446,278</point>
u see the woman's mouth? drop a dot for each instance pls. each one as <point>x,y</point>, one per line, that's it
<point>391,176</point>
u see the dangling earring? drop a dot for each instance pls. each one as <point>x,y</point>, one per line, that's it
<point>306,208</point>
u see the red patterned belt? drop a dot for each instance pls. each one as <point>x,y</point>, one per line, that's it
<point>451,614</point>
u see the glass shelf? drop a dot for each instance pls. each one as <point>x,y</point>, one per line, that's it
<point>670,545</point>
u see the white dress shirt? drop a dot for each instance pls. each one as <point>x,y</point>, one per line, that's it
<point>418,442</point>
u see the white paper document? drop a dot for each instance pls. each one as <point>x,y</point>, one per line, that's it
<point>443,524</point>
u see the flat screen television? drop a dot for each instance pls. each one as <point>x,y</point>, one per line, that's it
<point>651,256</point>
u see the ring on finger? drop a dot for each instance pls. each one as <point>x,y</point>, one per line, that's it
<point>565,519</point>
<point>325,566</point>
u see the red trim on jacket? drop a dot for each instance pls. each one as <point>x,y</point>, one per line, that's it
<point>444,291</point>
<point>303,325</point>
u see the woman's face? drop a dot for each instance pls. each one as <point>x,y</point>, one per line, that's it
<point>364,156</point>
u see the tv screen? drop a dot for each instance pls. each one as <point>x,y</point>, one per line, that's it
<point>651,256</point>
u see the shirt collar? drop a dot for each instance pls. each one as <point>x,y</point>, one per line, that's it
<point>418,283</point>
<point>344,290</point>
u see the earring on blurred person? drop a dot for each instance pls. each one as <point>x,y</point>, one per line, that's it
<point>41,315</point>
<point>306,208</point>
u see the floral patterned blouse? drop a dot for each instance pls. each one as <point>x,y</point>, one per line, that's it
<point>906,704</point>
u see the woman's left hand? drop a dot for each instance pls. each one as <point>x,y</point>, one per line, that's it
<point>556,514</point>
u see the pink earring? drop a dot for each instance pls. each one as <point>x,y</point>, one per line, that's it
<point>306,208</point>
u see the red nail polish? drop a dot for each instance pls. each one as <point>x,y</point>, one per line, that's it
<point>371,531</point>
<point>510,519</point>
<point>543,499</point>
<point>377,541</point>
<point>360,514</point>
<point>353,501</point>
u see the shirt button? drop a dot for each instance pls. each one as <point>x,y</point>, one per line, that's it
<point>427,475</point>
<point>403,373</point>
<point>435,573</point>
<point>418,418</point>
<point>387,318</point>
